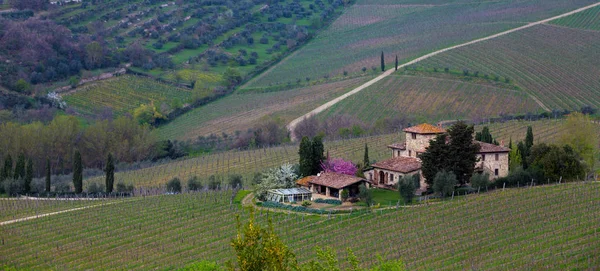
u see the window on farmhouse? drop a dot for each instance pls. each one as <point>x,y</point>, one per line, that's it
<point>409,153</point>
<point>496,172</point>
<point>497,156</point>
<point>483,157</point>
<point>414,136</point>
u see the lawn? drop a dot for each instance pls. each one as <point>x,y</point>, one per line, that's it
<point>386,197</point>
<point>357,38</point>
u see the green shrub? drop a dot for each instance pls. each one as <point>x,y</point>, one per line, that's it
<point>306,203</point>
<point>235,181</point>
<point>194,184</point>
<point>444,183</point>
<point>480,180</point>
<point>329,201</point>
<point>174,185</point>
<point>202,266</point>
<point>344,195</point>
<point>94,188</point>
<point>214,183</point>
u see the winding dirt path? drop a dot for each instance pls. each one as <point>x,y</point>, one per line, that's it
<point>292,125</point>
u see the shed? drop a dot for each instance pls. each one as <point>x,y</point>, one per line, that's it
<point>289,195</point>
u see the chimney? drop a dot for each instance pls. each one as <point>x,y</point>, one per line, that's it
<point>501,143</point>
<point>439,125</point>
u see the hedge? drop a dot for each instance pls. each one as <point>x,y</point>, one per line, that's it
<point>329,201</point>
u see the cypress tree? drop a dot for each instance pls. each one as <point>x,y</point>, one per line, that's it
<point>305,153</point>
<point>20,167</point>
<point>317,154</point>
<point>110,173</point>
<point>28,176</point>
<point>366,160</point>
<point>7,169</point>
<point>529,138</point>
<point>48,181</point>
<point>77,173</point>
<point>396,62</point>
<point>382,62</point>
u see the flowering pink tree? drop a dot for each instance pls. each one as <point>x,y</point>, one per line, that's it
<point>339,165</point>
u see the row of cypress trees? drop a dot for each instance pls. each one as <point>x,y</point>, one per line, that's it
<point>78,173</point>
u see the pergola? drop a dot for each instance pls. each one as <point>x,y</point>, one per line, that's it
<point>289,195</point>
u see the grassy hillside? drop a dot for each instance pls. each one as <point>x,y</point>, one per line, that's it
<point>560,66</point>
<point>124,93</point>
<point>249,161</point>
<point>589,20</point>
<point>241,111</point>
<point>550,227</point>
<point>432,99</point>
<point>404,28</point>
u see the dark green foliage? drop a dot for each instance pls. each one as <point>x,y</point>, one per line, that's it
<point>122,188</point>
<point>529,138</point>
<point>329,201</point>
<point>521,177</point>
<point>366,161</point>
<point>174,185</point>
<point>28,177</point>
<point>95,188</point>
<point>257,178</point>
<point>434,158</point>
<point>7,169</point>
<point>344,194</point>
<point>48,175</point>
<point>444,183</point>
<point>556,162</point>
<point>462,151</point>
<point>484,136</point>
<point>235,181</point>
<point>20,168</point>
<point>77,173</point>
<point>396,62</point>
<point>480,180</point>
<point>110,173</point>
<point>382,62</point>
<point>13,186</point>
<point>407,188</point>
<point>365,195</point>
<point>214,183</point>
<point>311,155</point>
<point>194,184</point>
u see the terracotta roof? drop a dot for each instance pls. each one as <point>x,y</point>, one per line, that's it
<point>335,180</point>
<point>425,128</point>
<point>487,148</point>
<point>304,181</point>
<point>399,164</point>
<point>398,146</point>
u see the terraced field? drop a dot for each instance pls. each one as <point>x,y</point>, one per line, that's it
<point>241,111</point>
<point>589,20</point>
<point>249,161</point>
<point>560,66</point>
<point>123,94</point>
<point>432,99</point>
<point>551,227</point>
<point>405,28</point>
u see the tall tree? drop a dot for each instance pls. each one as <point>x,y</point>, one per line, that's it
<point>366,160</point>
<point>484,135</point>
<point>20,167</point>
<point>77,172</point>
<point>48,177</point>
<point>306,154</point>
<point>382,62</point>
<point>7,169</point>
<point>434,158</point>
<point>396,62</point>
<point>318,150</point>
<point>110,173</point>
<point>28,176</point>
<point>529,138</point>
<point>582,137</point>
<point>462,151</point>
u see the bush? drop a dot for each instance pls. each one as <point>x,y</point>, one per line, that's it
<point>235,181</point>
<point>444,183</point>
<point>406,188</point>
<point>480,180</point>
<point>122,188</point>
<point>14,187</point>
<point>344,195</point>
<point>329,201</point>
<point>306,203</point>
<point>194,184</point>
<point>174,185</point>
<point>62,187</point>
<point>214,183</point>
<point>94,188</point>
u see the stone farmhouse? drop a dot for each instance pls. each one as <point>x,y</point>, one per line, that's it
<point>330,184</point>
<point>492,159</point>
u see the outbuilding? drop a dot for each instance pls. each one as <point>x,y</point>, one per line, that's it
<point>289,195</point>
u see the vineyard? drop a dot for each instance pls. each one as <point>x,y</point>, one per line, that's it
<point>247,162</point>
<point>20,208</point>
<point>123,94</point>
<point>357,38</point>
<point>550,227</point>
<point>241,111</point>
<point>588,19</point>
<point>557,65</point>
<point>432,99</point>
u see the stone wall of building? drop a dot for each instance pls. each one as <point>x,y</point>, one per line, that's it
<point>491,164</point>
<point>419,144</point>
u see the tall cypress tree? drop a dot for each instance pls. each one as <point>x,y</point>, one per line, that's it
<point>48,172</point>
<point>396,62</point>
<point>7,169</point>
<point>20,167</point>
<point>110,173</point>
<point>77,172</point>
<point>28,176</point>
<point>366,161</point>
<point>305,153</point>
<point>317,154</point>
<point>529,138</point>
<point>382,62</point>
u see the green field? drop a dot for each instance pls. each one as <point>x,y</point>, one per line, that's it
<point>550,227</point>
<point>588,19</point>
<point>123,94</point>
<point>558,65</point>
<point>406,29</point>
<point>240,111</point>
<point>432,99</point>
